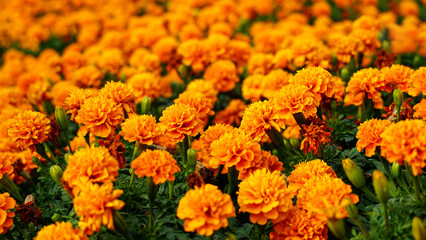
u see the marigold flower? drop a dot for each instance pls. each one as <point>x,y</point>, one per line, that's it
<point>252,87</point>
<point>300,224</point>
<point>6,165</point>
<point>115,147</point>
<point>111,60</point>
<point>75,100</point>
<point>28,212</point>
<point>260,63</point>
<point>195,54</point>
<point>158,164</point>
<point>398,76</point>
<point>6,204</point>
<point>60,231</point>
<point>318,80</point>
<point>369,135</point>
<point>234,149</point>
<point>179,120</point>
<point>100,115</point>
<point>268,161</point>
<point>205,210</point>
<point>122,94</point>
<point>324,195</point>
<point>274,81</point>
<point>145,84</point>
<point>165,48</point>
<point>294,98</point>
<point>141,128</point>
<point>257,120</point>
<point>232,114</point>
<point>61,91</point>
<point>416,83</point>
<point>90,165</point>
<point>29,128</point>
<point>265,196</point>
<point>94,206</point>
<point>305,171</point>
<point>315,132</point>
<point>204,87</point>
<point>406,141</point>
<point>198,101</point>
<point>145,61</point>
<point>223,75</point>
<point>420,109</point>
<point>87,76</point>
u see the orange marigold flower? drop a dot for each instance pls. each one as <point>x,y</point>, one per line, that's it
<point>366,82</point>
<point>145,84</point>
<point>257,120</point>
<point>90,165</point>
<point>305,171</point>
<point>232,114</point>
<point>252,87</point>
<point>195,54</point>
<point>315,132</point>
<point>300,224</point>
<point>122,94</point>
<point>260,63</point>
<point>99,115</point>
<point>223,75</point>
<point>75,100</point>
<point>265,196</point>
<point>205,209</point>
<point>398,76</point>
<point>420,109</point>
<point>6,204</point>
<point>111,60</point>
<point>115,147</point>
<point>6,165</point>
<point>274,81</point>
<point>158,164</point>
<point>165,48</point>
<point>60,231</point>
<point>29,128</point>
<point>61,91</point>
<point>141,128</point>
<point>234,149</point>
<point>369,135</point>
<point>179,120</point>
<point>294,98</point>
<point>417,83</point>
<point>324,195</point>
<point>94,206</point>
<point>198,101</point>
<point>204,87</point>
<point>406,141</point>
<point>87,76</point>
<point>317,79</point>
<point>268,161</point>
<point>339,88</point>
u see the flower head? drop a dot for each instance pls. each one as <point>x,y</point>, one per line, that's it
<point>204,87</point>
<point>6,204</point>
<point>29,128</point>
<point>420,109</point>
<point>398,76</point>
<point>28,212</point>
<point>417,83</point>
<point>60,231</point>
<point>265,196</point>
<point>122,94</point>
<point>369,135</point>
<point>158,164</point>
<point>141,128</point>
<point>75,100</point>
<point>268,161</point>
<point>6,165</point>
<point>223,75</point>
<point>317,79</point>
<point>205,209</point>
<point>94,206</point>
<point>197,100</point>
<point>145,84</point>
<point>232,114</point>
<point>315,132</point>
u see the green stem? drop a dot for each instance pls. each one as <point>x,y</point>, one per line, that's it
<point>219,172</point>
<point>183,148</point>
<point>151,189</point>
<point>361,226</point>
<point>402,184</point>
<point>171,184</point>
<point>151,209</point>
<point>416,184</point>
<point>139,148</point>
<point>370,194</point>
<point>385,211</point>
<point>232,178</point>
<point>132,178</point>
<point>319,112</point>
<point>398,113</point>
<point>385,166</point>
<point>300,118</point>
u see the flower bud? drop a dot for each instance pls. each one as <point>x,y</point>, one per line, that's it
<point>381,186</point>
<point>398,97</point>
<point>418,229</point>
<point>386,45</point>
<point>192,158</point>
<point>182,71</point>
<point>417,61</point>
<point>354,173</point>
<point>61,118</point>
<point>396,169</point>
<point>56,173</point>
<point>10,187</point>
<point>66,156</point>
<point>56,217</point>
<point>344,74</point>
<point>29,198</point>
<point>295,143</point>
<point>351,209</point>
<point>230,236</point>
<point>337,227</point>
<point>145,105</point>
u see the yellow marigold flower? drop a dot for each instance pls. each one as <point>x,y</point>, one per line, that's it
<point>317,79</point>
<point>158,164</point>
<point>257,119</point>
<point>205,209</point>
<point>99,115</point>
<point>252,87</point>
<point>29,128</point>
<point>87,76</point>
<point>398,76</point>
<point>366,82</point>
<point>369,135</point>
<point>204,87</point>
<point>6,204</point>
<point>195,54</point>
<point>294,98</point>
<point>305,171</point>
<point>6,162</point>
<point>417,83</point>
<point>420,110</point>
<point>90,165</point>
<point>141,128</point>
<point>406,141</point>
<point>324,195</point>
<point>232,114</point>
<point>122,94</point>
<point>223,75</point>
<point>60,231</point>
<point>94,206</point>
<point>300,224</point>
<point>145,84</point>
<point>179,120</point>
<point>75,100</point>
<point>198,101</point>
<point>234,149</point>
<point>265,196</point>
<point>268,161</point>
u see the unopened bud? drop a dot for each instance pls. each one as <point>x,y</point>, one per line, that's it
<point>417,61</point>
<point>386,45</point>
<point>344,74</point>
<point>66,156</point>
<point>295,143</point>
<point>230,236</point>
<point>418,229</point>
<point>56,217</point>
<point>182,71</point>
<point>61,118</point>
<point>145,105</point>
<point>287,145</point>
<point>396,169</point>
<point>354,173</point>
<point>337,227</point>
<point>192,158</point>
<point>56,173</point>
<point>381,186</point>
<point>398,97</point>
